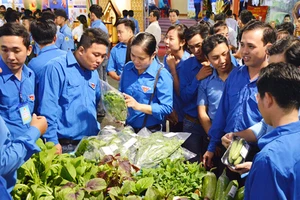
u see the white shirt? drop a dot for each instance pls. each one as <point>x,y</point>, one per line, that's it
<point>155,30</point>
<point>232,37</point>
<point>78,31</point>
<point>232,23</point>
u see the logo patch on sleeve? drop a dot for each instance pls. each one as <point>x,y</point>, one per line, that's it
<point>145,89</point>
<point>67,38</point>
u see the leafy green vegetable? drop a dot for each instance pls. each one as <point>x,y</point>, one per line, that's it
<point>115,105</point>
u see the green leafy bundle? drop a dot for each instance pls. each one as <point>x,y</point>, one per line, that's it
<point>115,105</point>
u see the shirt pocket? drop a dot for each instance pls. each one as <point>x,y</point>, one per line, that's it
<point>73,90</point>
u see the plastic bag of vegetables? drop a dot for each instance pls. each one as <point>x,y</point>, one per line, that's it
<point>113,103</point>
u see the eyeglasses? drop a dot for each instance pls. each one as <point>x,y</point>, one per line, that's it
<point>196,46</point>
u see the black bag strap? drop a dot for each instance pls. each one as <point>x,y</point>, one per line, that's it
<point>151,98</point>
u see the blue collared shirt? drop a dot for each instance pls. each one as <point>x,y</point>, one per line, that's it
<point>210,91</point>
<point>10,101</point>
<point>67,41</point>
<point>136,23</point>
<point>3,191</point>
<point>177,102</point>
<point>275,172</point>
<point>117,58</point>
<point>68,97</point>
<point>15,151</point>
<point>140,87</point>
<point>238,108</point>
<point>99,24</point>
<point>47,53</point>
<point>189,85</point>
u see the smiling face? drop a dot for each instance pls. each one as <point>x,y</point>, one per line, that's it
<point>173,42</point>
<point>253,49</point>
<point>140,58</point>
<point>195,45</point>
<point>91,57</point>
<point>219,58</point>
<point>14,52</point>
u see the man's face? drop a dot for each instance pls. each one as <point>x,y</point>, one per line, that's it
<point>173,17</point>
<point>93,56</point>
<point>93,17</point>
<point>223,31</point>
<point>219,58</point>
<point>59,20</point>
<point>14,52</point>
<point>26,24</point>
<point>253,49</point>
<point>124,33</point>
<point>287,19</point>
<point>151,17</point>
<point>195,45</point>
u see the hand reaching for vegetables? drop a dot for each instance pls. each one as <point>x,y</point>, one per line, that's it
<point>40,123</point>
<point>226,139</point>
<point>131,102</point>
<point>58,149</point>
<point>207,159</point>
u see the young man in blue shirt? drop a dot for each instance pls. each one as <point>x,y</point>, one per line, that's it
<point>238,106</point>
<point>192,71</point>
<point>61,20</point>
<point>136,23</point>
<point>44,33</point>
<point>69,92</point>
<point>15,151</point>
<point>96,14</point>
<point>275,172</point>
<point>117,57</point>
<point>17,81</point>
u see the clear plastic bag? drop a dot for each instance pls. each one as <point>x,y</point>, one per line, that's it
<point>113,103</point>
<point>153,148</point>
<point>236,152</point>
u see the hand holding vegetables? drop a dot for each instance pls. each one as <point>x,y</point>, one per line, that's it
<point>131,102</point>
<point>40,123</point>
<point>242,168</point>
<point>226,139</point>
<point>207,159</point>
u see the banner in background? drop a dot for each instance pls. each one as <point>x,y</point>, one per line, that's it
<point>190,9</point>
<point>259,12</point>
<point>76,8</point>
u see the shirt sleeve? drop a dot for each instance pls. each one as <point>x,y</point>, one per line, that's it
<point>164,93</point>
<point>264,180</point>
<point>111,66</point>
<point>188,90</point>
<point>202,96</point>
<point>217,129</point>
<point>49,91</point>
<point>259,129</point>
<point>15,152</point>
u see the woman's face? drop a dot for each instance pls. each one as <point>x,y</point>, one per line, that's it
<point>140,58</point>
<point>172,41</point>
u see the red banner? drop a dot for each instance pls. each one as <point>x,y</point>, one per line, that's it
<point>259,12</point>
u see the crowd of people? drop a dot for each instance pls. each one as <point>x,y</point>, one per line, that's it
<point>219,78</point>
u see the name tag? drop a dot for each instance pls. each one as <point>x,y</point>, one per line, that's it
<point>25,113</point>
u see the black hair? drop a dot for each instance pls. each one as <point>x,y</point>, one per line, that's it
<point>155,14</point>
<point>125,13</point>
<point>93,35</point>
<point>15,29</point>
<point>12,16</point>
<point>27,12</point>
<point>127,23</point>
<point>48,15</point>
<point>30,18</point>
<point>245,16</point>
<point>61,13</point>
<point>175,11</point>
<point>43,31</point>
<point>208,14</point>
<point>217,27</point>
<point>220,17</point>
<point>287,15</point>
<point>128,50</point>
<point>286,26</point>
<point>130,13</point>
<point>146,41</point>
<point>37,12</point>
<point>82,19</point>
<point>269,34</point>
<point>97,10</point>
<point>3,6</point>
<point>290,46</point>
<point>201,29</point>
<point>211,42</point>
<point>281,80</point>
<point>181,31</point>
<point>229,13</point>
